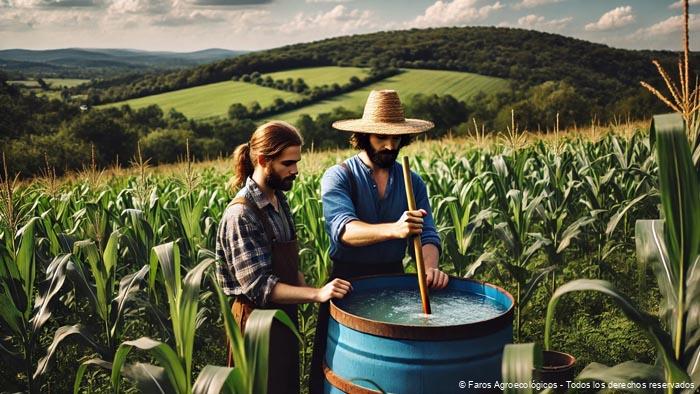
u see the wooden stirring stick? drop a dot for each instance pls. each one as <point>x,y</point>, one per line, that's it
<point>418,247</point>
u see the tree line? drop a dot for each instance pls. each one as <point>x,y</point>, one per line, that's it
<point>39,134</point>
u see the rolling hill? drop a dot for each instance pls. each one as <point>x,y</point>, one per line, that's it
<point>462,86</point>
<point>213,100</point>
<point>602,74</point>
<point>94,62</point>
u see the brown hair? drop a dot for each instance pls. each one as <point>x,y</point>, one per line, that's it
<point>268,140</point>
<point>361,141</point>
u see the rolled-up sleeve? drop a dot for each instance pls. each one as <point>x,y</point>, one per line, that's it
<point>251,257</point>
<point>429,234</point>
<point>338,209</point>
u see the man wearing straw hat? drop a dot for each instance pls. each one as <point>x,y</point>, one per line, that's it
<point>366,207</point>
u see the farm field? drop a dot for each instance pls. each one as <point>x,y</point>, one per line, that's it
<point>54,83</point>
<point>210,100</point>
<point>319,76</point>
<point>462,86</point>
<point>214,99</point>
<point>183,204</point>
<point>64,82</point>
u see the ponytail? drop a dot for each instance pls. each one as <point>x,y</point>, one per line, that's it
<point>242,166</point>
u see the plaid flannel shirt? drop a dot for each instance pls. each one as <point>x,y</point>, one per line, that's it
<point>244,264</point>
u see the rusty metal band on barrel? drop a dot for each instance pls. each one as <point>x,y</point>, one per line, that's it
<point>343,385</point>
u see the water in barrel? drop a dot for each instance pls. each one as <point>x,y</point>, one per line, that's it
<point>403,306</point>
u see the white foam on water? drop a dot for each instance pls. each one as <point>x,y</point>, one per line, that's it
<point>448,307</point>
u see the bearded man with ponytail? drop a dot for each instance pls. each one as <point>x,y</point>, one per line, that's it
<point>257,248</point>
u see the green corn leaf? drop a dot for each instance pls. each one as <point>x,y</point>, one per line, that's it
<point>520,365</point>
<point>11,315</point>
<point>572,232</point>
<point>53,285</point>
<point>77,274</point>
<point>83,367</point>
<point>627,372</point>
<point>25,261</point>
<point>535,280</point>
<point>257,343</point>
<point>189,303</point>
<point>615,219</point>
<point>128,286</point>
<point>215,380</point>
<point>78,331</point>
<point>651,251</point>
<point>233,333</point>
<point>110,255</point>
<point>168,255</point>
<point>148,378</point>
<point>89,251</point>
<point>680,199</point>
<point>165,356</point>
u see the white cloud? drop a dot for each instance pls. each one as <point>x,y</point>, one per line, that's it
<point>338,20</point>
<point>613,19</point>
<point>671,25</point>
<point>455,13</point>
<point>679,4</point>
<point>533,3</point>
<point>535,22</point>
<point>327,1</point>
<point>139,6</point>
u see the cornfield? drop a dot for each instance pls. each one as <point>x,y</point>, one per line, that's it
<point>125,263</point>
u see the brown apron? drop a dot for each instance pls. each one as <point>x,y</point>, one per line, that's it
<point>283,370</point>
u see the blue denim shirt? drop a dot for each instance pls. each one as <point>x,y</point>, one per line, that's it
<point>338,210</point>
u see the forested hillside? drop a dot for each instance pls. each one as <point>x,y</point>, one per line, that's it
<point>606,77</point>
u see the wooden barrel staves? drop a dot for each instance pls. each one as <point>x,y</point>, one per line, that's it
<point>366,353</point>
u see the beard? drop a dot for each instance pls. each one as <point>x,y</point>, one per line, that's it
<point>278,183</point>
<point>384,158</point>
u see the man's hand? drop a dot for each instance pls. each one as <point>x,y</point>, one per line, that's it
<point>337,288</point>
<point>410,223</point>
<point>436,279</point>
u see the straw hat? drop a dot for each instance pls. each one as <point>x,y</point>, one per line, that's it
<point>384,115</point>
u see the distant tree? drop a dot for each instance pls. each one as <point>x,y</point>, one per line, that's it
<point>42,84</point>
<point>238,111</point>
<point>175,118</point>
<point>106,131</point>
<point>166,146</point>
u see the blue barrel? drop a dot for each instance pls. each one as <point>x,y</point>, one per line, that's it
<point>415,359</point>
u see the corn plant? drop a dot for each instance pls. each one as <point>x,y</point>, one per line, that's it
<point>516,214</point>
<point>98,284</point>
<point>672,247</point>
<point>174,373</point>
<point>22,315</point>
<point>308,215</point>
<point>464,216</point>
<point>559,187</point>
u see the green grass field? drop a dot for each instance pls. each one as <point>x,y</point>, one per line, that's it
<point>319,76</point>
<point>210,100</point>
<point>64,82</point>
<point>54,83</point>
<point>462,86</point>
<point>214,99</point>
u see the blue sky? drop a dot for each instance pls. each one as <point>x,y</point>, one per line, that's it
<point>186,25</point>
